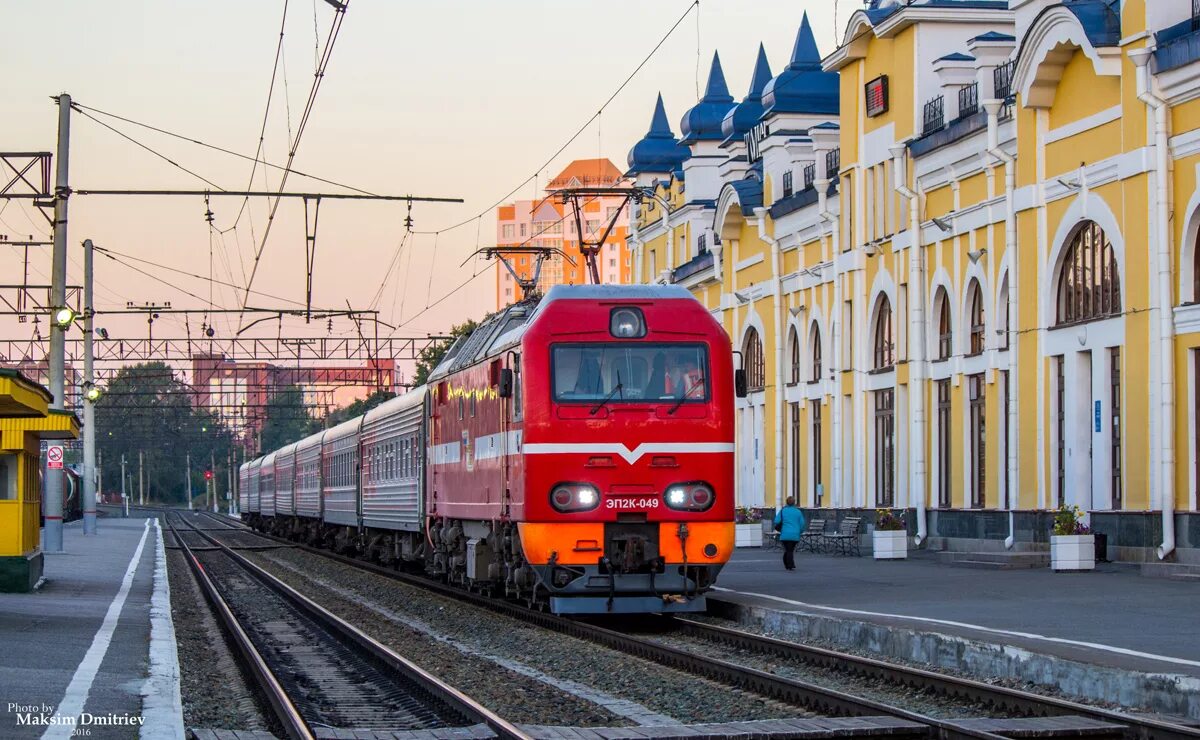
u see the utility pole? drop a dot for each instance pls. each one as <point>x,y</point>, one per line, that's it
<point>229,489</point>
<point>53,540</point>
<point>100,475</point>
<point>141,481</point>
<point>189,480</point>
<point>124,495</point>
<point>212,466</point>
<point>89,399</point>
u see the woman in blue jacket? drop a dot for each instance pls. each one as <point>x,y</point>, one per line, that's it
<point>789,522</point>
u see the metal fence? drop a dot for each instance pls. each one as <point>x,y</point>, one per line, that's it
<point>968,100</point>
<point>935,116</point>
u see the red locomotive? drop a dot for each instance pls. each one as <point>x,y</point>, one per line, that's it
<point>576,450</point>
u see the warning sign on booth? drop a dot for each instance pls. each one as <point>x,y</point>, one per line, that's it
<point>54,457</point>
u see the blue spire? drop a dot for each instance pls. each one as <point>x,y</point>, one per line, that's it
<point>745,115</point>
<point>659,124</point>
<point>805,52</point>
<point>803,87</point>
<point>703,121</point>
<point>659,152</point>
<point>716,91</point>
<point>761,75</point>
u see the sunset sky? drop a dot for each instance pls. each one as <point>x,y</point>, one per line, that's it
<point>457,98</point>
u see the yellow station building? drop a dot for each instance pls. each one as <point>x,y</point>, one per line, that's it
<point>957,256</point>
<point>25,419</point>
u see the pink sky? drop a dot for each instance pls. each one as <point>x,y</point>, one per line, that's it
<point>459,98</point>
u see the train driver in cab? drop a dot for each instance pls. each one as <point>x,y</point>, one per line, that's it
<point>684,379</point>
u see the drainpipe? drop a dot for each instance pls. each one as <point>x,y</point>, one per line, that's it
<point>1010,241</point>
<point>777,306</point>
<point>916,344</point>
<point>1140,58</point>
<point>835,338</point>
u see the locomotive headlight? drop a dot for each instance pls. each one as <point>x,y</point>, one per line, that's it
<point>627,323</point>
<point>695,496</point>
<point>570,497</point>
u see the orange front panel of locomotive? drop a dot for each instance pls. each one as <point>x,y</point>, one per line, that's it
<point>582,543</point>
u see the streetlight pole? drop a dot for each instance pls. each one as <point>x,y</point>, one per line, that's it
<point>53,540</point>
<point>124,495</point>
<point>89,399</point>
<point>141,480</point>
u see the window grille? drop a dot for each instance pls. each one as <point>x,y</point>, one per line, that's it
<point>978,335</point>
<point>756,370</point>
<point>968,100</point>
<point>816,354</point>
<point>943,441</point>
<point>810,171</point>
<point>945,332</point>
<point>978,441</point>
<point>885,347</point>
<point>885,447</point>
<point>833,163</point>
<point>787,184</point>
<point>934,118</point>
<point>794,346</point>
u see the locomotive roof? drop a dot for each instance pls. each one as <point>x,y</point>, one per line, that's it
<point>503,329</point>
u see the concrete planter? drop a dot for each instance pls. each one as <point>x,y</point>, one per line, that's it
<point>890,545</point>
<point>748,535</point>
<point>1072,552</point>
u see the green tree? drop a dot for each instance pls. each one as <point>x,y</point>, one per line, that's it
<point>146,409</point>
<point>429,357</point>
<point>286,419</point>
<point>357,408</point>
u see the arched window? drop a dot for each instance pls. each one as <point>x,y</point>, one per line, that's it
<point>945,332</point>
<point>815,353</point>
<point>885,348</point>
<point>756,369</point>
<point>975,317</point>
<point>794,347</point>
<point>1089,286</point>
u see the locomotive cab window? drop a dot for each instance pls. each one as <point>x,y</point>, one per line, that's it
<point>619,372</point>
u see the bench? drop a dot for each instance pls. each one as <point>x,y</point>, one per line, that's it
<point>812,538</point>
<point>846,540</point>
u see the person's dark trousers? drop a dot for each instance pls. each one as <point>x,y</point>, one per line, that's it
<point>789,554</point>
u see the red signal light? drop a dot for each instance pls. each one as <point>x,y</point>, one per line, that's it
<point>207,475</point>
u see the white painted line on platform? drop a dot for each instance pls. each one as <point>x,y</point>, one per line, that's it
<point>162,707</point>
<point>63,723</point>
<point>967,625</point>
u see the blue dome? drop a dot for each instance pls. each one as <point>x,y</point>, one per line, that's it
<point>658,151</point>
<point>746,114</point>
<point>703,121</point>
<point>803,87</point>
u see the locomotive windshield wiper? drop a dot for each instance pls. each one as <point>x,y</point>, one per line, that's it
<point>616,389</point>
<point>685,395</point>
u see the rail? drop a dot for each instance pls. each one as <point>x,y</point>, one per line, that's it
<point>351,635</point>
<point>785,689</point>
<point>934,118</point>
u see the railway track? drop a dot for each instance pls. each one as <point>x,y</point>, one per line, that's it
<point>319,674</point>
<point>1032,715</point>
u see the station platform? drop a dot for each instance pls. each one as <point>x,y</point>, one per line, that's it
<point>1106,635</point>
<point>93,648</point>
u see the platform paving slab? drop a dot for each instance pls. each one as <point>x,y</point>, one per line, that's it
<point>78,649</point>
<point>1109,635</point>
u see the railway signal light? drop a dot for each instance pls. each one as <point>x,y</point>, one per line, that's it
<point>208,475</point>
<point>63,317</point>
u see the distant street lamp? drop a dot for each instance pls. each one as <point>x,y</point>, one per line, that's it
<point>92,392</point>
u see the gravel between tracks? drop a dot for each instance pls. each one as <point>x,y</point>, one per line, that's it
<point>675,694</point>
<point>904,697</point>
<point>1034,688</point>
<point>215,694</point>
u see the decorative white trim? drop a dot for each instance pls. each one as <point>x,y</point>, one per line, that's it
<point>750,261</point>
<point>1187,245</point>
<point>628,455</point>
<point>1047,47</point>
<point>1185,144</point>
<point>1187,319</point>
<point>1086,123</point>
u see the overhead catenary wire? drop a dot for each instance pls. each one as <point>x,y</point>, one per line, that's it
<point>645,60</point>
<point>318,77</point>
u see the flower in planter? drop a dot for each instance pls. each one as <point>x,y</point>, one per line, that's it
<point>1068,520</point>
<point>887,521</point>
<point>747,515</point>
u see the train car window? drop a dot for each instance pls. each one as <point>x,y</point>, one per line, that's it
<point>623,372</point>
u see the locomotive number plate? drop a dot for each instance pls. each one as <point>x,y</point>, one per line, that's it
<point>632,503</point>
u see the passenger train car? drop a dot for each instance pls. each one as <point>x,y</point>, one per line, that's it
<point>576,450</point>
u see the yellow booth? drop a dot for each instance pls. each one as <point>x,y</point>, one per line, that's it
<point>25,420</point>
